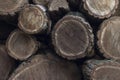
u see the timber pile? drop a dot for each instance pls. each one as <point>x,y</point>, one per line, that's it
<point>59,40</point>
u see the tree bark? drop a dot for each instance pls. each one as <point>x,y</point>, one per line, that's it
<point>72,37</point>
<point>108,38</point>
<point>100,9</point>
<point>7,64</point>
<point>20,45</point>
<point>34,19</point>
<point>40,67</point>
<point>101,70</point>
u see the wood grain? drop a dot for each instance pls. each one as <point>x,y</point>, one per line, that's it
<point>20,45</point>
<point>40,67</point>
<point>101,8</point>
<point>11,6</point>
<point>7,64</point>
<point>109,38</point>
<point>101,70</point>
<point>33,19</point>
<point>72,37</point>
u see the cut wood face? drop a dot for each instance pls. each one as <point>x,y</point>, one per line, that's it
<point>32,19</point>
<point>9,6</point>
<point>107,73</point>
<point>101,70</point>
<point>41,68</point>
<point>20,45</point>
<point>109,39</point>
<point>101,8</point>
<point>55,5</point>
<point>7,63</point>
<point>70,37</point>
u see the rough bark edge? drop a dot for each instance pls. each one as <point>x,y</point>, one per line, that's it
<point>32,61</point>
<point>102,26</point>
<point>36,60</point>
<point>90,66</point>
<point>25,2</point>
<point>46,22</point>
<point>12,61</point>
<point>100,17</point>
<point>87,26</point>
<point>37,44</point>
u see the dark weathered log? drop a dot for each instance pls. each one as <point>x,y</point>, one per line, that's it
<point>20,45</point>
<point>100,8</point>
<point>41,68</point>
<point>7,64</point>
<point>109,38</point>
<point>101,70</point>
<point>33,19</point>
<point>72,37</point>
<point>11,6</point>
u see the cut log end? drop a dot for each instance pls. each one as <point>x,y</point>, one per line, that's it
<point>101,70</point>
<point>42,68</point>
<point>107,73</point>
<point>20,45</point>
<point>101,8</point>
<point>11,6</point>
<point>71,37</point>
<point>7,63</point>
<point>33,19</point>
<point>109,38</point>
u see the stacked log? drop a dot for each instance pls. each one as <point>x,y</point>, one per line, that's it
<point>72,37</point>
<point>59,40</point>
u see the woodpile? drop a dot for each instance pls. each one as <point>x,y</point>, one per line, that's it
<point>59,40</point>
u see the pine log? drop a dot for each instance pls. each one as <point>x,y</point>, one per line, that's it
<point>11,6</point>
<point>20,45</point>
<point>33,19</point>
<point>109,38</point>
<point>7,64</point>
<point>40,67</point>
<point>100,8</point>
<point>101,70</point>
<point>72,37</point>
